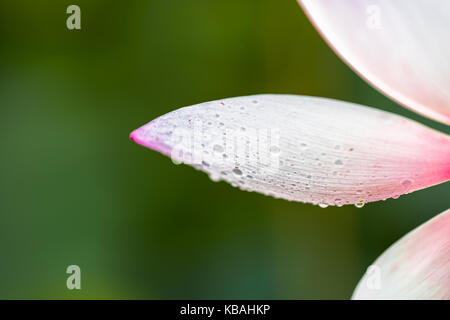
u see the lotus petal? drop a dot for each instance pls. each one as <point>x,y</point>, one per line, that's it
<point>401,47</point>
<point>307,149</point>
<point>415,267</point>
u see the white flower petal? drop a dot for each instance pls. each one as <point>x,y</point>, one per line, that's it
<point>308,149</point>
<point>415,267</point>
<point>402,47</point>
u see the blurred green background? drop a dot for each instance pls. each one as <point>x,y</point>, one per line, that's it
<point>75,190</point>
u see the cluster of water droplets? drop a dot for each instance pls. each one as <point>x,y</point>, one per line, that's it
<point>292,178</point>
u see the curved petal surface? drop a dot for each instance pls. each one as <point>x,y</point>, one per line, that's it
<point>307,149</point>
<point>415,267</point>
<point>401,47</point>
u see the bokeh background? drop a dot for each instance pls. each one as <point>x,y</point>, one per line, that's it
<point>75,190</point>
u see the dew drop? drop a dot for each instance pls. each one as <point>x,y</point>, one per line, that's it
<point>237,171</point>
<point>204,163</point>
<point>360,204</point>
<point>218,148</point>
<point>323,205</point>
<point>406,183</point>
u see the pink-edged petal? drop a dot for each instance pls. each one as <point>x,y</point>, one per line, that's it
<point>307,149</point>
<point>400,46</point>
<point>415,267</point>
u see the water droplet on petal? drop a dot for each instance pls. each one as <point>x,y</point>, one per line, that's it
<point>323,205</point>
<point>218,148</point>
<point>206,164</point>
<point>359,204</point>
<point>407,184</point>
<point>237,171</point>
